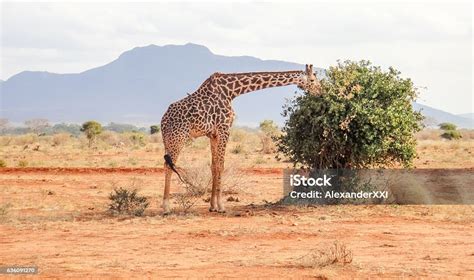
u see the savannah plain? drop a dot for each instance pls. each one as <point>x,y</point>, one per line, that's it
<point>54,199</point>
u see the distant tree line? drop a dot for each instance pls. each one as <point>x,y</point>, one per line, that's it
<point>44,127</point>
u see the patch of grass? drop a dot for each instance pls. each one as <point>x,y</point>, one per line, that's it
<point>22,163</point>
<point>3,163</point>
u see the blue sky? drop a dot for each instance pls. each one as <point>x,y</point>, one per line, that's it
<point>430,42</point>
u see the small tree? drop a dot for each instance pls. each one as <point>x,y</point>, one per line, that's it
<point>91,129</point>
<point>154,129</point>
<point>447,126</point>
<point>363,118</point>
<point>37,125</point>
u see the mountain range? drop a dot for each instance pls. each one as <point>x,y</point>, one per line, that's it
<point>139,85</point>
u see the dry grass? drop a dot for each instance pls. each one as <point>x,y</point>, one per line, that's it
<point>335,254</point>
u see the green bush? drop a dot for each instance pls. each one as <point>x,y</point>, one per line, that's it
<point>128,202</point>
<point>447,126</point>
<point>362,118</point>
<point>154,129</point>
<point>452,135</point>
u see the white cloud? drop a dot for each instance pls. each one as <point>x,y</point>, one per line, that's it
<point>430,42</point>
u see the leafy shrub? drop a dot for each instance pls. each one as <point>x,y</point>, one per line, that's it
<point>137,138</point>
<point>447,126</point>
<point>451,135</point>
<point>362,118</point>
<point>124,201</point>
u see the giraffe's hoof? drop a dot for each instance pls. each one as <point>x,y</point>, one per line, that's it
<point>166,213</point>
<point>212,209</point>
<point>221,211</point>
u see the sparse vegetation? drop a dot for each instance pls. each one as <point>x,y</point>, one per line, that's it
<point>124,201</point>
<point>22,163</point>
<point>3,163</point>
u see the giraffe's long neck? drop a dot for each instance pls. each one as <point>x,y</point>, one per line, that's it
<point>234,85</point>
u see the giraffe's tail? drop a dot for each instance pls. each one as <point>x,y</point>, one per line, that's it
<point>170,163</point>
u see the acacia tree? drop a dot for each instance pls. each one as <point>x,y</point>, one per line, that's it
<point>362,118</point>
<point>91,129</point>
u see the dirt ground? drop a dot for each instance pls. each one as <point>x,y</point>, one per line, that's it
<point>56,219</point>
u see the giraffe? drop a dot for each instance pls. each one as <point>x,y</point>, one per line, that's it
<point>208,112</point>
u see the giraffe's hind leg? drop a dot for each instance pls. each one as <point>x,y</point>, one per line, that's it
<point>218,145</point>
<point>173,146</point>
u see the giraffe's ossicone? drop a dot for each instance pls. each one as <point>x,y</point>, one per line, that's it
<point>208,112</point>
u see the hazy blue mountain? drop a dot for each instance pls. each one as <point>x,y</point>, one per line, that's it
<point>139,85</point>
<point>439,116</point>
<point>467,116</point>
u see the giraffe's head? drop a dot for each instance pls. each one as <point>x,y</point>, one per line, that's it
<point>309,81</point>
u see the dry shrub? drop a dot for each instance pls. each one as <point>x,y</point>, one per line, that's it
<point>155,138</point>
<point>127,201</point>
<point>268,146</point>
<point>26,139</point>
<point>111,138</point>
<point>428,134</point>
<point>6,140</point>
<point>239,149</point>
<point>198,182</point>
<point>60,139</point>
<point>237,135</point>
<point>467,134</point>
<point>337,253</point>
